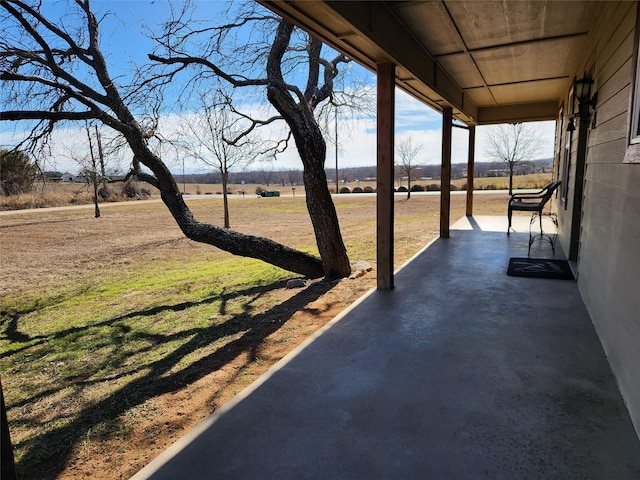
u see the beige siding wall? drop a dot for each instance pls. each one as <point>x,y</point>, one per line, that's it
<point>609,253</point>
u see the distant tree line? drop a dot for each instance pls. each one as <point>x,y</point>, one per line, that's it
<point>293,177</point>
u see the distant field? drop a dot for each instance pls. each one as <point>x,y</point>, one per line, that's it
<point>118,335</point>
<point>59,194</point>
<point>534,180</point>
<point>537,180</point>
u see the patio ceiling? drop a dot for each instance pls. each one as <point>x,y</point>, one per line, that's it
<point>492,61</point>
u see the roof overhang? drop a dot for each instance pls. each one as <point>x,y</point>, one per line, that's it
<point>491,61</point>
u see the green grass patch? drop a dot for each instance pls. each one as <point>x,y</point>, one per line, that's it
<point>110,339</point>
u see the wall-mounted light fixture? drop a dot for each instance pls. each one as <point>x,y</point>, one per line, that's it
<point>582,92</point>
<point>582,88</point>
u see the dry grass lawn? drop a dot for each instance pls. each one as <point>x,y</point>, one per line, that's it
<point>119,335</point>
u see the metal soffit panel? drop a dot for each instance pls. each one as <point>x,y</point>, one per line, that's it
<point>486,59</point>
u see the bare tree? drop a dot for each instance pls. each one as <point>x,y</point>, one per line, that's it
<point>273,65</point>
<point>407,154</point>
<point>284,178</point>
<point>53,72</point>
<point>513,144</point>
<point>219,137</point>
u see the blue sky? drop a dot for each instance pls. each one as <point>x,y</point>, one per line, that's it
<point>123,43</point>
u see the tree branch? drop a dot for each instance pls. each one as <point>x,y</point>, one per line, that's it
<point>243,82</point>
<point>14,115</point>
<point>50,60</point>
<point>253,123</point>
<point>140,175</point>
<point>48,25</point>
<point>313,50</point>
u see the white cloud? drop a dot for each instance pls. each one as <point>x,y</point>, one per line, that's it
<point>357,143</point>
<point>411,113</point>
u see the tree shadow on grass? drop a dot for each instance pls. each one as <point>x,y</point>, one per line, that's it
<point>46,456</point>
<point>12,332</point>
<point>11,319</point>
<point>205,334</point>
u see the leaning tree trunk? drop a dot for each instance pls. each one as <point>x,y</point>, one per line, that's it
<point>322,211</point>
<point>312,150</point>
<point>324,218</point>
<point>233,242</point>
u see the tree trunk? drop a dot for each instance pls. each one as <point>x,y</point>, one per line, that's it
<point>238,243</point>
<point>225,197</point>
<point>324,219</point>
<point>233,242</point>
<point>510,179</point>
<point>312,150</point>
<point>94,176</point>
<point>101,157</point>
<point>94,180</point>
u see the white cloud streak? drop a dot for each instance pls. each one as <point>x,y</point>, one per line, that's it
<point>357,143</point>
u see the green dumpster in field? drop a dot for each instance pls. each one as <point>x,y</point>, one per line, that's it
<point>272,193</point>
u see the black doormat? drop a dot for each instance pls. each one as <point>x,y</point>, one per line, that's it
<point>540,268</point>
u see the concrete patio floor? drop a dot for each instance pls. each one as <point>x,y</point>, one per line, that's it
<point>460,372</point>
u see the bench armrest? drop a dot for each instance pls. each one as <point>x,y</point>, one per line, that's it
<point>549,189</point>
<point>527,196</point>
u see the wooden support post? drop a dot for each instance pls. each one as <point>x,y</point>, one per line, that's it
<point>445,176</point>
<point>384,175</point>
<point>471,169</point>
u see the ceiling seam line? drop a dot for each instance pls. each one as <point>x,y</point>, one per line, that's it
<point>466,48</point>
<point>507,45</point>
